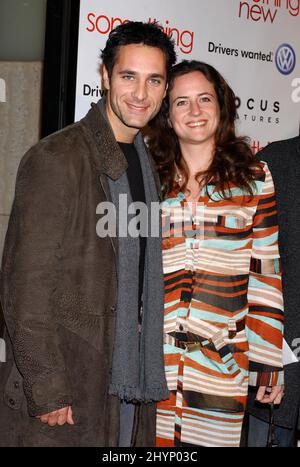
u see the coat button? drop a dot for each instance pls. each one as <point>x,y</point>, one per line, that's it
<point>12,402</point>
<point>16,385</point>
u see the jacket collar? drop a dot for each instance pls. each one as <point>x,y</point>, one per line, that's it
<point>109,158</point>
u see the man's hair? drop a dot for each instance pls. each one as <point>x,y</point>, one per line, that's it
<point>136,32</point>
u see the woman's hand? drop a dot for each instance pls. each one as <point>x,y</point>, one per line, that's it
<point>269,395</point>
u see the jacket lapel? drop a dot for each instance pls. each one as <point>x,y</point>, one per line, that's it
<point>109,158</point>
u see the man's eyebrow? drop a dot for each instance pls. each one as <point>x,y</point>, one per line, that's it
<point>134,73</point>
<point>127,72</point>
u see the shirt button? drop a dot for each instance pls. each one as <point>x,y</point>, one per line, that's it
<point>181,327</point>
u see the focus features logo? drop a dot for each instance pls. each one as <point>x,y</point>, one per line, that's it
<point>102,24</point>
<point>285,59</point>
<point>258,110</point>
<point>266,11</point>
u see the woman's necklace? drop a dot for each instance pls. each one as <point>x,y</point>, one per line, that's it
<point>191,197</point>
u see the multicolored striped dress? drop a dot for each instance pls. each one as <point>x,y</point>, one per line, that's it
<point>223,311</point>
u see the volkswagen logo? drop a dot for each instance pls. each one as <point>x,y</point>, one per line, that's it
<point>285,59</point>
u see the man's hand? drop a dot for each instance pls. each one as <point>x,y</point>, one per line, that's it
<point>58,417</point>
<point>269,395</point>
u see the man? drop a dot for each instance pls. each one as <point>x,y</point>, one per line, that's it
<point>283,158</point>
<point>84,364</point>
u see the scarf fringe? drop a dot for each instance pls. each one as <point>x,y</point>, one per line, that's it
<point>133,394</point>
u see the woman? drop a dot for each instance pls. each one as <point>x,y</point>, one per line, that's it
<point>223,300</point>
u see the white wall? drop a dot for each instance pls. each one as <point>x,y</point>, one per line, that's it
<point>19,128</point>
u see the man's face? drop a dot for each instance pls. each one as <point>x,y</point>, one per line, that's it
<point>135,90</point>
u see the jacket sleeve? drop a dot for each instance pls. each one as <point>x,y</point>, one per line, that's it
<point>31,271</point>
<point>264,322</point>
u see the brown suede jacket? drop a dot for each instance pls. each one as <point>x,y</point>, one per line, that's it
<point>58,293</point>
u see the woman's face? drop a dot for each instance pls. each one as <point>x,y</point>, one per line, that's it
<point>194,109</point>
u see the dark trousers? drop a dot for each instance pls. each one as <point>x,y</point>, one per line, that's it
<point>258,434</point>
<point>127,411</point>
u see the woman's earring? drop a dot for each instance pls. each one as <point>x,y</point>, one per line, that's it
<point>179,177</point>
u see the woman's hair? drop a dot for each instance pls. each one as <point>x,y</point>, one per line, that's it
<point>233,162</point>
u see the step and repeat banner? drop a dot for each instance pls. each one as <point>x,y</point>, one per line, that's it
<point>255,44</point>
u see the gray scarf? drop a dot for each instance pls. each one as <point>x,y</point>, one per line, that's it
<point>138,367</point>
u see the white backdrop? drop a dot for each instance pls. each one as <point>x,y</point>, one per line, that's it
<point>255,44</point>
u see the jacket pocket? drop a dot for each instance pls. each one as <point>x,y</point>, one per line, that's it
<point>224,388</point>
<point>225,349</point>
<point>74,309</point>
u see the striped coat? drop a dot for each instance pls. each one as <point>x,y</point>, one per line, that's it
<point>223,311</point>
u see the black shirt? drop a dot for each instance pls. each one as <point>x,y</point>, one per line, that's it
<point>137,189</point>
